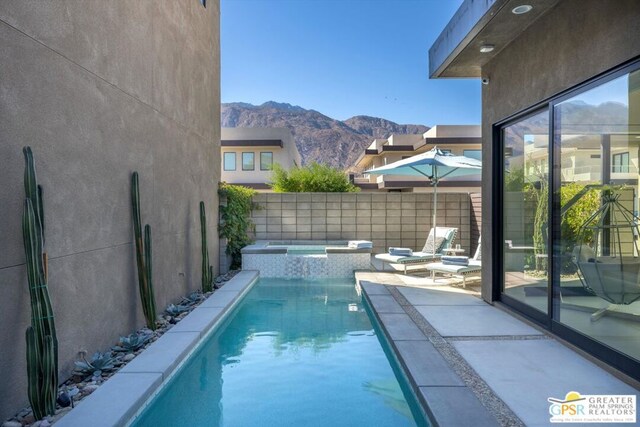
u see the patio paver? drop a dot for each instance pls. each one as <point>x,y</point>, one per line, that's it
<point>465,321</point>
<point>525,373</point>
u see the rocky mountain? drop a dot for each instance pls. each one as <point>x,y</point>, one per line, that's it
<point>319,138</point>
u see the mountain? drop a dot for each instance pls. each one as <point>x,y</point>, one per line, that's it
<point>319,138</point>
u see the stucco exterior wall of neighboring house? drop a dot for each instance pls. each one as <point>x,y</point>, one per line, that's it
<point>261,144</point>
<point>100,89</point>
<point>456,139</point>
<point>553,54</point>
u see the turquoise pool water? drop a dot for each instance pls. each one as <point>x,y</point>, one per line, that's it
<point>292,353</point>
<point>302,249</point>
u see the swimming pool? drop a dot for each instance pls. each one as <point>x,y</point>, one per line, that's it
<point>291,353</point>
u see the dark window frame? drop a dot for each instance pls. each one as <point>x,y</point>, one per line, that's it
<point>224,162</point>
<point>253,161</point>
<point>271,166</point>
<point>624,166</point>
<point>613,357</point>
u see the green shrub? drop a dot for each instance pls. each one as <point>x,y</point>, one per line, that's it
<point>236,224</point>
<point>314,178</point>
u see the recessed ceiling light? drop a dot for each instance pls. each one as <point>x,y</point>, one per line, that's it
<point>522,9</point>
<point>486,48</point>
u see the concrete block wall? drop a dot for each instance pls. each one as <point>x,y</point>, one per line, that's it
<point>387,219</point>
<point>100,89</point>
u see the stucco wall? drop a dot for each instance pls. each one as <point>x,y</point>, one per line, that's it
<point>575,41</point>
<point>100,89</point>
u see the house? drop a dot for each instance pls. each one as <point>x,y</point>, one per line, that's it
<point>248,155</point>
<point>561,122</point>
<point>461,140</point>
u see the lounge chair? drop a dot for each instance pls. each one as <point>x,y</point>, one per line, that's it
<point>461,271</point>
<point>444,240</point>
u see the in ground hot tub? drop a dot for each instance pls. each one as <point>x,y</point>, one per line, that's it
<point>305,259</point>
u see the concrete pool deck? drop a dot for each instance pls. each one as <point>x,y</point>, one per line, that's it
<point>471,363</point>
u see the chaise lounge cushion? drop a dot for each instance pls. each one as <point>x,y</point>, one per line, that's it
<point>417,257</point>
<point>455,269</point>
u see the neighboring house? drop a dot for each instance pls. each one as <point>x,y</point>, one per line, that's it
<point>561,116</point>
<point>248,155</point>
<point>462,140</point>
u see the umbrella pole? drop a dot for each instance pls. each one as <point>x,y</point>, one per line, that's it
<point>435,206</point>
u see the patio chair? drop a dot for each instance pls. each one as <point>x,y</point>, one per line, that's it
<point>460,271</point>
<point>443,240</point>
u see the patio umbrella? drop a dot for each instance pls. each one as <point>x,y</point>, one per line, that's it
<point>435,165</point>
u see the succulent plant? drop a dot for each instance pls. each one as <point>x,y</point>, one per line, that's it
<point>100,362</point>
<point>42,343</point>
<point>192,298</point>
<point>143,257</point>
<point>132,343</point>
<point>174,310</point>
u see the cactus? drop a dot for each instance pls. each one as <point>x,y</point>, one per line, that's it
<point>207,270</point>
<point>143,257</point>
<point>42,343</point>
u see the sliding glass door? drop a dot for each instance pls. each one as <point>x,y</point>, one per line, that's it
<point>525,210</point>
<point>598,134</point>
<point>569,233</point>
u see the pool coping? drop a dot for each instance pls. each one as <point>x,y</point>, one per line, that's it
<point>121,397</point>
<point>263,247</point>
<point>433,381</point>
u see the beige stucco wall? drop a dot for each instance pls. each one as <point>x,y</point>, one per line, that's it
<point>575,41</point>
<point>99,89</point>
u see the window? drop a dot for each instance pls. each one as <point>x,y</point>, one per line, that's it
<point>446,151</point>
<point>474,154</point>
<point>266,161</point>
<point>620,163</point>
<point>248,161</point>
<point>229,161</point>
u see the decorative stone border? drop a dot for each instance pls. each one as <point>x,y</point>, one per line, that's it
<point>120,398</point>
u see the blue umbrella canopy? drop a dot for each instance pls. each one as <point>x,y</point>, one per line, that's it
<point>435,165</point>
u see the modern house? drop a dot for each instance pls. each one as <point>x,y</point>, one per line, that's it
<point>248,155</point>
<point>456,139</point>
<point>561,136</point>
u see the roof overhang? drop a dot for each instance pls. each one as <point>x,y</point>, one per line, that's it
<point>456,52</point>
<point>251,143</point>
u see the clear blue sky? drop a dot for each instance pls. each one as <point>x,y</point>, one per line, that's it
<point>343,58</point>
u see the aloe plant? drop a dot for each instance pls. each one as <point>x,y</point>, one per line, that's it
<point>207,270</point>
<point>42,343</point>
<point>143,257</point>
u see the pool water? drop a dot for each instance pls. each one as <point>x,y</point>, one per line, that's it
<point>303,249</point>
<point>292,353</point>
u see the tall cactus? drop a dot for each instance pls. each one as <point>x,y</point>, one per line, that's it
<point>207,270</point>
<point>42,343</point>
<point>143,257</point>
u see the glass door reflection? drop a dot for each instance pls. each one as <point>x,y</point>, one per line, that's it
<point>525,210</point>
